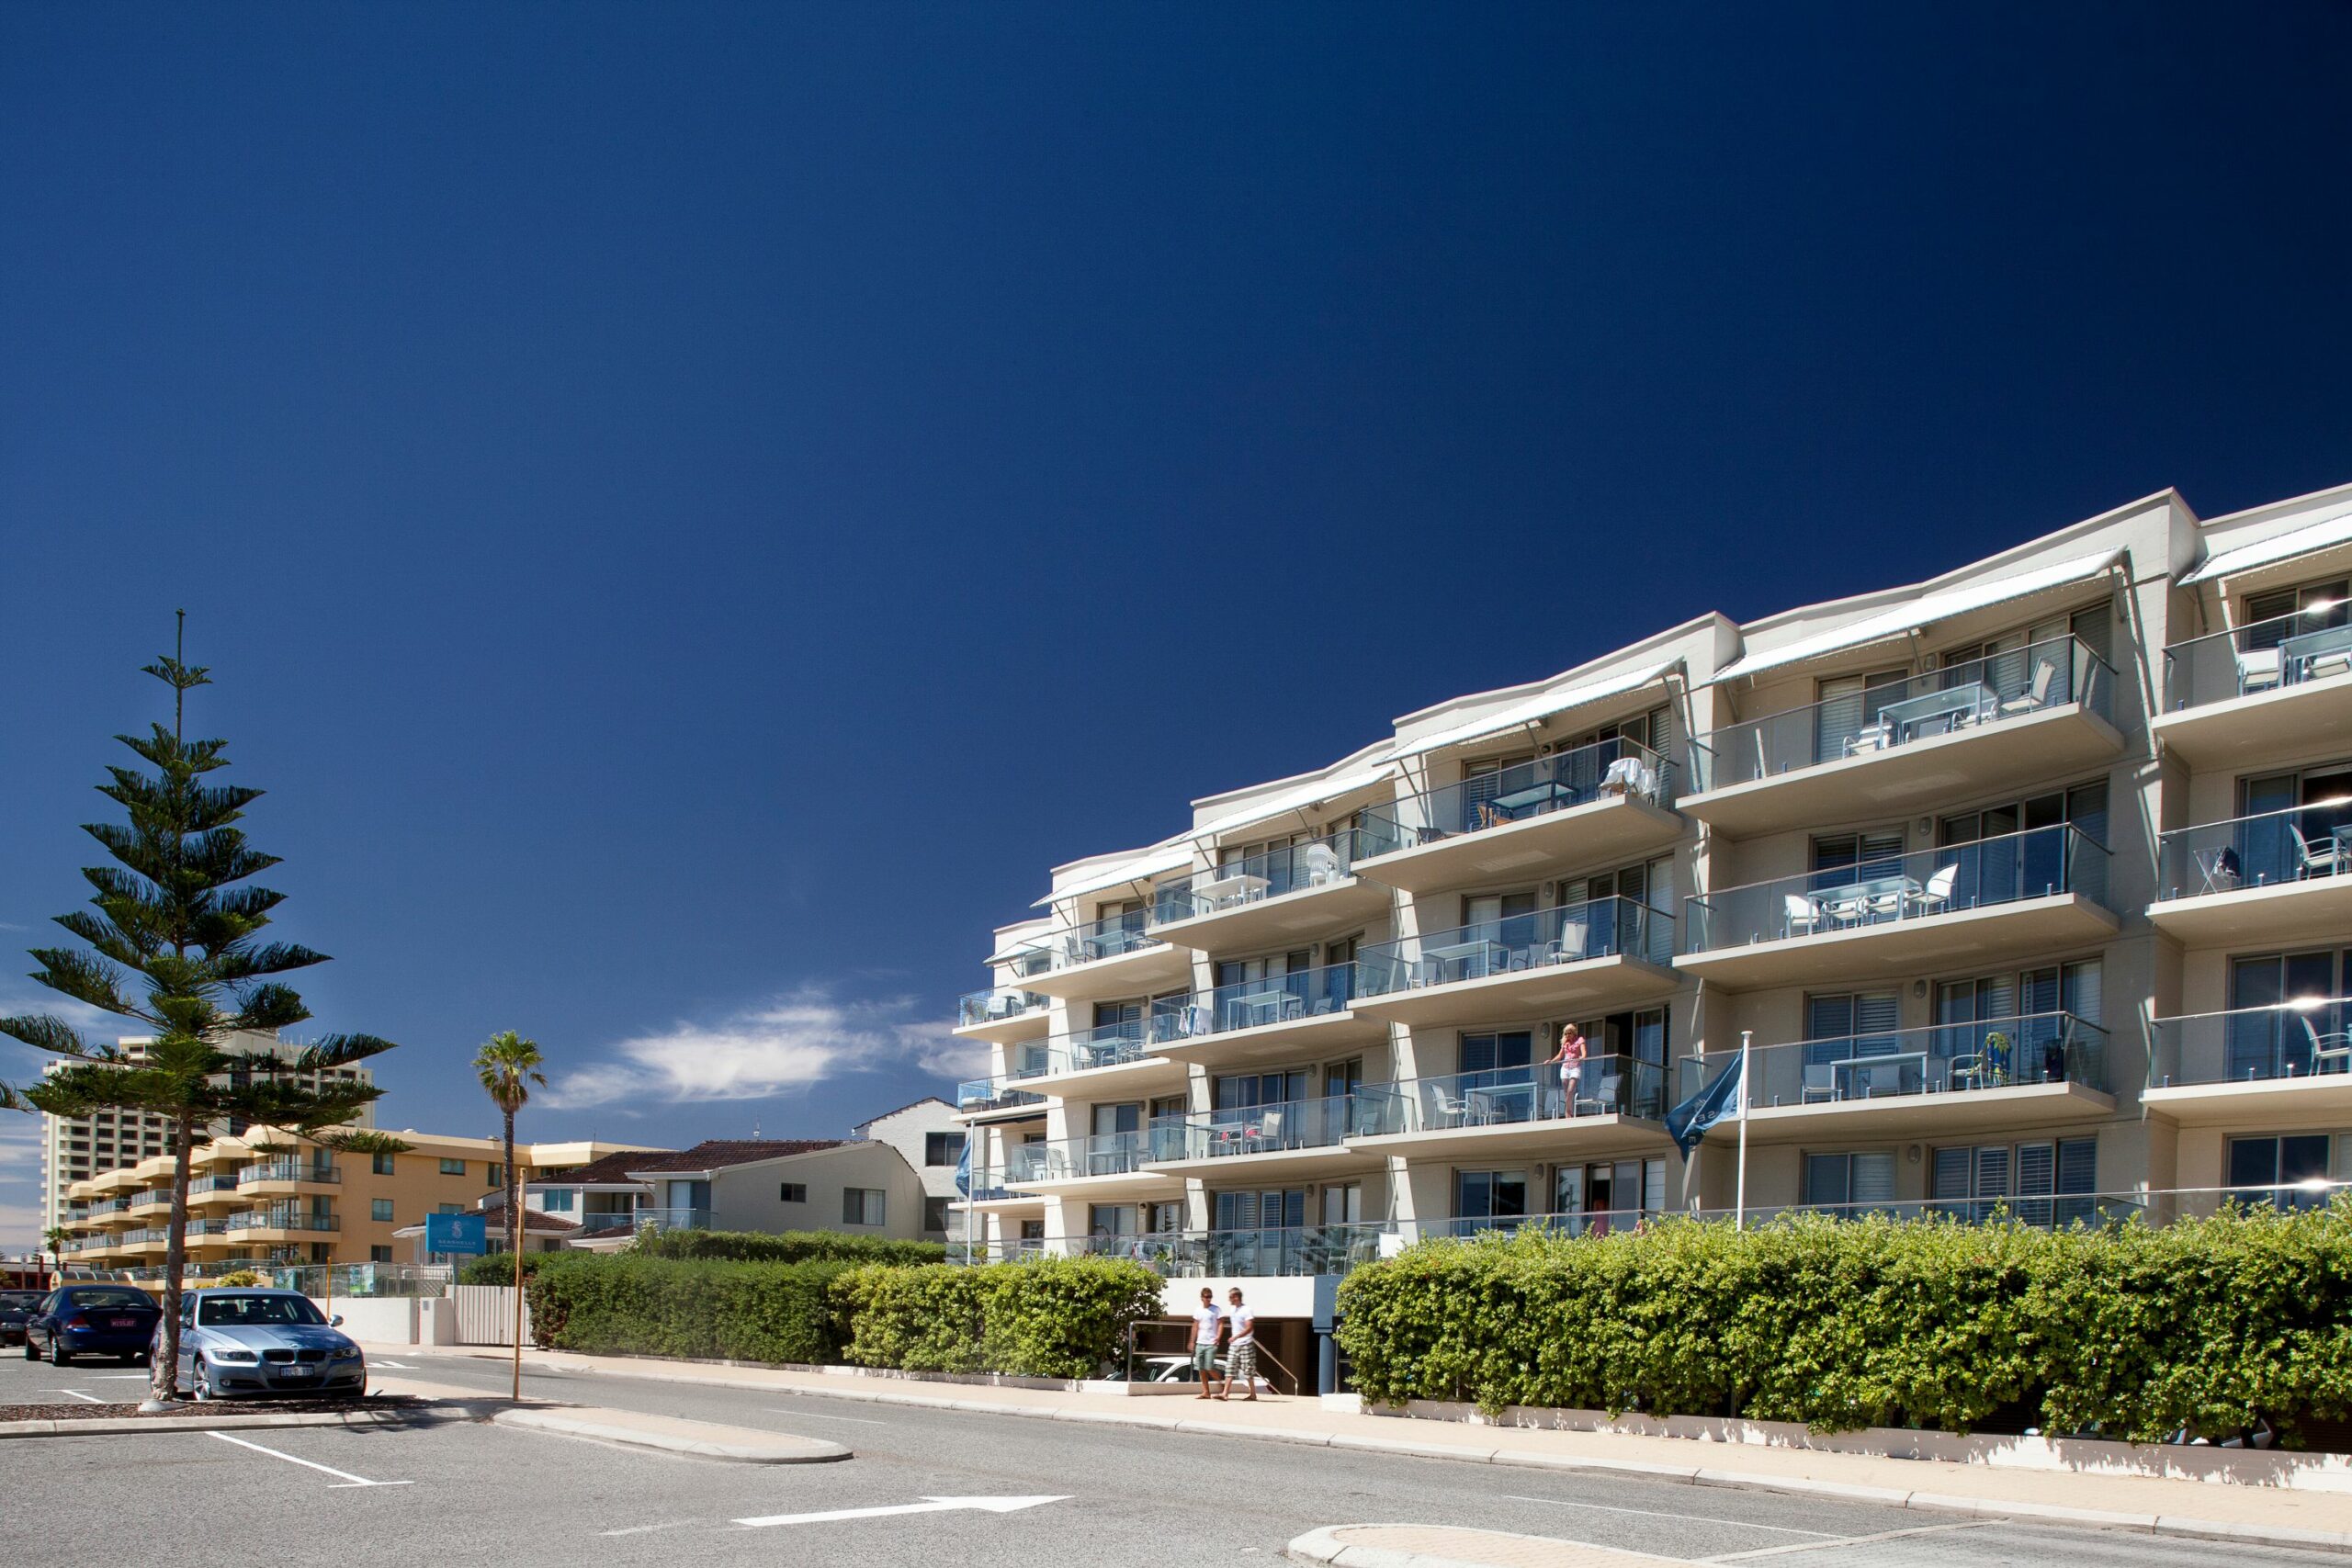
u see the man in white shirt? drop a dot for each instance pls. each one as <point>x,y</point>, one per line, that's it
<point>1207,1324</point>
<point>1242,1358</point>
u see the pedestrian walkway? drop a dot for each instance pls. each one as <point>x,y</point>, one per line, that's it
<point>2175,1507</point>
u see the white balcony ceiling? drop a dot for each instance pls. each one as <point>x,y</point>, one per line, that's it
<point>1541,705</point>
<point>2323,534</point>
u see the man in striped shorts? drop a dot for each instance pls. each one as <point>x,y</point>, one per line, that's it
<point>1241,1350</point>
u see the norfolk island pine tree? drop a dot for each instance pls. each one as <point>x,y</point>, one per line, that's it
<point>172,943</point>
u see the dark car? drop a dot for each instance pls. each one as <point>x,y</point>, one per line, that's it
<point>91,1320</point>
<point>16,1307</point>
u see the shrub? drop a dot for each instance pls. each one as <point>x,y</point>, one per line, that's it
<point>498,1268</point>
<point>1049,1317</point>
<point>2217,1326</point>
<point>626,1304</point>
<point>789,1247</point>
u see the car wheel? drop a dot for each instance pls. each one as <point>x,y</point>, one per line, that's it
<point>58,1355</point>
<point>32,1351</point>
<point>205,1392</point>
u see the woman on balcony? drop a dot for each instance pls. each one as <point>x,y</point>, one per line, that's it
<point>1570,1056</point>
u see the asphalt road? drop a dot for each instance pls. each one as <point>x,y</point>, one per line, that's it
<point>472,1493</point>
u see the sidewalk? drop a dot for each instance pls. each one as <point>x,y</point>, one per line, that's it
<point>2181,1507</point>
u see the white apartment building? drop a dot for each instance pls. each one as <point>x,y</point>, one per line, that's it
<point>2026,885</point>
<point>77,1149</point>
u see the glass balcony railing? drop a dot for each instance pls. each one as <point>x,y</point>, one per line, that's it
<point>1321,862</point>
<point>1105,938</point>
<point>2308,1037</point>
<point>1601,928</point>
<point>289,1170</point>
<point>2264,656</point>
<point>1284,1252</point>
<point>2276,849</point>
<point>1273,999</point>
<point>996,1007</point>
<point>154,1198</point>
<point>1891,889</point>
<point>1610,769</point>
<point>1942,1058</point>
<point>226,1182</point>
<point>1957,699</point>
<point>1620,1086</point>
<point>281,1220</point>
<point>673,1219</point>
<point>1582,1221</point>
<point>993,1094</point>
<point>1253,1130</point>
<point>1066,1159</point>
<point>615,1222</point>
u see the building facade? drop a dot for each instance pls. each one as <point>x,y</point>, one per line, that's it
<point>75,1148</point>
<point>2025,887</point>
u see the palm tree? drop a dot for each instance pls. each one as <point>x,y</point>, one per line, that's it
<point>508,1065</point>
<point>55,1236</point>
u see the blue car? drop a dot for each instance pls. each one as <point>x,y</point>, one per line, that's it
<point>91,1320</point>
<point>238,1340</point>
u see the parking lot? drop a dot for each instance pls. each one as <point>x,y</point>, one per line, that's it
<point>470,1492</point>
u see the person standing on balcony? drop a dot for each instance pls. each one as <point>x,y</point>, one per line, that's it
<point>1241,1354</point>
<point>1570,1057</point>
<point>1207,1324</point>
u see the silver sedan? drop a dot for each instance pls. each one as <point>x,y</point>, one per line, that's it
<point>235,1341</point>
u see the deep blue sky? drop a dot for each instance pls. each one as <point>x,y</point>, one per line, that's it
<point>690,505</point>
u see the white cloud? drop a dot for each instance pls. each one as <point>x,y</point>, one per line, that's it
<point>787,1044</point>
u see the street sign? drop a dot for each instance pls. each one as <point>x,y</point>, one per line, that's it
<point>456,1233</point>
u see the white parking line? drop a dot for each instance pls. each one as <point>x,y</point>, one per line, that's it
<point>648,1529</point>
<point>813,1415</point>
<point>79,1394</point>
<point>396,1366</point>
<point>1696,1518</point>
<point>119,1377</point>
<point>348,1479</point>
<point>1839,1542</point>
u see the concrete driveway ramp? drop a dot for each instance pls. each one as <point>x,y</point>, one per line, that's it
<point>1447,1546</point>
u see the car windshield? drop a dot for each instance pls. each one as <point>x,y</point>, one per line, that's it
<point>20,1300</point>
<point>108,1299</point>
<point>237,1312</point>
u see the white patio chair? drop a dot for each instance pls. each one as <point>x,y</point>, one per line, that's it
<point>2330,1053</point>
<point>1572,945</point>
<point>1601,1100</point>
<point>1970,1071</point>
<point>1937,894</point>
<point>1820,1083</point>
<point>1800,916</point>
<point>2258,669</point>
<point>1448,1109</point>
<point>1322,862</point>
<point>2036,695</point>
<point>2326,861</point>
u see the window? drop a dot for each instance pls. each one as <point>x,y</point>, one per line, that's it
<point>862,1205</point>
<point>792,1192</point>
<point>1276,1209</point>
<point>1847,706</point>
<point>1489,1196</point>
<point>495,1175</point>
<point>1975,1180</point>
<point>935,1214</point>
<point>2316,606</point>
<point>1839,860</point>
<point>2014,850</point>
<point>1111,1219</point>
<point>1851,1179</point>
<point>941,1148</point>
<point>559,1200</point>
<point>379,1255</point>
<point>453,1167</point>
<point>1342,1203</point>
<point>2269,1044</point>
<point>2007,1029</point>
<point>2292,816</point>
<point>1615,1188</point>
<point>380,1164</point>
<point>1239,1092</point>
<point>379,1210</point>
<point>449,1208</point>
<point>2283,1164</point>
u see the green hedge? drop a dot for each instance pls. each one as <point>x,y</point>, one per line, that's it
<point>498,1268</point>
<point>626,1304</point>
<point>2127,1331</point>
<point>1048,1317</point>
<point>789,1247</point>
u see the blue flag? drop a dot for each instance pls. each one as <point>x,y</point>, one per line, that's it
<point>964,1170</point>
<point>1688,1122</point>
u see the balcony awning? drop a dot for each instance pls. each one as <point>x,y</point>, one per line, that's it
<point>1543,706</point>
<point>1154,862</point>
<point>1924,611</point>
<point>2324,534</point>
<point>1299,798</point>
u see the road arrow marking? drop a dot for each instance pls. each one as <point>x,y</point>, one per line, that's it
<point>928,1506</point>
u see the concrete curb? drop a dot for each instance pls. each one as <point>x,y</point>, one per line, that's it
<point>124,1425</point>
<point>777,1448</point>
<point>1795,1486</point>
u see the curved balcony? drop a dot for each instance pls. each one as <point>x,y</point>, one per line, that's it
<point>1518,1112</point>
<point>1285,895</point>
<point>1122,1056</point>
<point>1116,954</point>
<point>1595,956</point>
<point>1273,1017</point>
<point>2258,693</point>
<point>2012,896</point>
<point>287,1176</point>
<point>1107,1165</point>
<point>2290,1059</point>
<point>1000,1015</point>
<point>1303,1139</point>
<point>1985,1075</point>
<point>2282,877</point>
<point>1611,801</point>
<point>2036,712</point>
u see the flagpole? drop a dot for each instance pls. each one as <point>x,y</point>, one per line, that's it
<point>1740,1213</point>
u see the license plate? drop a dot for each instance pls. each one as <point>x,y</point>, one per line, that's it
<point>124,1322</point>
<point>296,1372</point>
